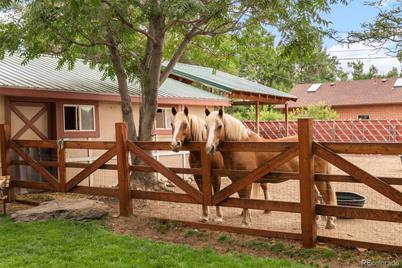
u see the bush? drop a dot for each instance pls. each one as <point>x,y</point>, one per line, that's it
<point>320,111</point>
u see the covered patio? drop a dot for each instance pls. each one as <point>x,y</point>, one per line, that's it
<point>240,90</point>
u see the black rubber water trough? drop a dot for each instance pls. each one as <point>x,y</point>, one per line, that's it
<point>350,199</point>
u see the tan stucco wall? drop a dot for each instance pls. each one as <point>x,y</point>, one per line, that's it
<point>109,114</point>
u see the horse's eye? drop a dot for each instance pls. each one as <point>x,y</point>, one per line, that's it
<point>220,127</point>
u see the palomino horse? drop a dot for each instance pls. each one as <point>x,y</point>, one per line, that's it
<point>224,127</point>
<point>188,127</point>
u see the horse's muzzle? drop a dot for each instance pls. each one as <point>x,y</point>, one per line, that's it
<point>211,149</point>
<point>176,146</point>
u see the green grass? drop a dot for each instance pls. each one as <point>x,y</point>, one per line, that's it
<point>70,244</point>
<point>291,251</point>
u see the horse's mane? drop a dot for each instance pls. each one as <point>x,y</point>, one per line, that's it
<point>197,128</point>
<point>234,128</point>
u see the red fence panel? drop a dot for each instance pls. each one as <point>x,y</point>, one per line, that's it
<point>338,130</point>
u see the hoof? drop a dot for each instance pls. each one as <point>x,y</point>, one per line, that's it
<point>204,219</point>
<point>267,211</point>
<point>330,226</point>
<point>246,224</point>
<point>218,220</point>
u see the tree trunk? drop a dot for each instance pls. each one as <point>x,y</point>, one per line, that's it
<point>150,86</point>
<point>126,104</point>
<point>150,83</point>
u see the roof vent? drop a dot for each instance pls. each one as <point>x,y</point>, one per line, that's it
<point>313,88</point>
<point>398,82</point>
<point>332,84</point>
<point>384,80</point>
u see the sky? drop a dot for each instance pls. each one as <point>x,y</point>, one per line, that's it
<point>349,18</point>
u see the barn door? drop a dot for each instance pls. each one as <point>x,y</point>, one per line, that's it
<point>32,121</point>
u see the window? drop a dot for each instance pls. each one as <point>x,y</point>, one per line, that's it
<point>363,117</point>
<point>163,118</point>
<point>79,117</point>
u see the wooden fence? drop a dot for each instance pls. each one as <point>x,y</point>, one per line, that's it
<point>305,149</point>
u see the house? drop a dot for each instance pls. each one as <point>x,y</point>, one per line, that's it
<point>354,100</point>
<point>40,102</point>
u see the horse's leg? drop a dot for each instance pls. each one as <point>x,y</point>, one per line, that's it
<point>216,185</point>
<point>328,195</point>
<point>264,187</point>
<point>205,210</point>
<point>245,193</point>
<point>319,200</point>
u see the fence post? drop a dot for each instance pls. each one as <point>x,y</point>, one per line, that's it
<point>307,188</point>
<point>123,170</point>
<point>206,177</point>
<point>61,159</point>
<point>5,157</point>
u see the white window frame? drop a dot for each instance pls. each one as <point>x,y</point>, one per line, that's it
<point>78,117</point>
<point>167,126</point>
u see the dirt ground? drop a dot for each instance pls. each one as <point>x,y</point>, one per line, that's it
<point>371,231</point>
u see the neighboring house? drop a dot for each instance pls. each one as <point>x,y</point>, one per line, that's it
<point>354,100</point>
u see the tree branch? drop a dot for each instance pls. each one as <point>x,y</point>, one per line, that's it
<point>177,55</point>
<point>128,23</point>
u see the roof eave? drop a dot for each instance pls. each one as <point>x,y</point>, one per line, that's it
<point>57,94</point>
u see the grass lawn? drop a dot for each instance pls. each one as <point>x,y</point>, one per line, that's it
<point>71,244</point>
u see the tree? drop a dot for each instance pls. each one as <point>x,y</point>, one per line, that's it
<point>373,71</point>
<point>384,31</point>
<point>130,39</point>
<point>392,73</point>
<point>358,70</point>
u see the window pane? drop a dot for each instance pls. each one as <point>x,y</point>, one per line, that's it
<point>160,118</point>
<point>87,118</point>
<point>363,117</point>
<point>70,118</point>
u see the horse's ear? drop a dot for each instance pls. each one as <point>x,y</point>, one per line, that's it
<point>220,112</point>
<point>186,111</point>
<point>174,112</point>
<point>207,112</point>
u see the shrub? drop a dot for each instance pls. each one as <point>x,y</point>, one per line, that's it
<point>319,111</point>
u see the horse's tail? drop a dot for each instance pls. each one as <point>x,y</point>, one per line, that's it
<point>254,190</point>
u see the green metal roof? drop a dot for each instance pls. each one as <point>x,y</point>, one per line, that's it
<point>224,81</point>
<point>41,73</point>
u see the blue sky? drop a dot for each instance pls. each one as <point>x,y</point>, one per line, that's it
<point>348,18</point>
<point>345,18</point>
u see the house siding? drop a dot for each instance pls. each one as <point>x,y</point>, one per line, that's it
<point>376,112</point>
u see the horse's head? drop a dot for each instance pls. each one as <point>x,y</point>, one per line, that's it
<point>180,128</point>
<point>215,130</point>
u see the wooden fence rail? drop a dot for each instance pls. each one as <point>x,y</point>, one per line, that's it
<point>305,149</point>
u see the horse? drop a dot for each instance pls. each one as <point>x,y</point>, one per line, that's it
<point>188,127</point>
<point>224,127</point>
